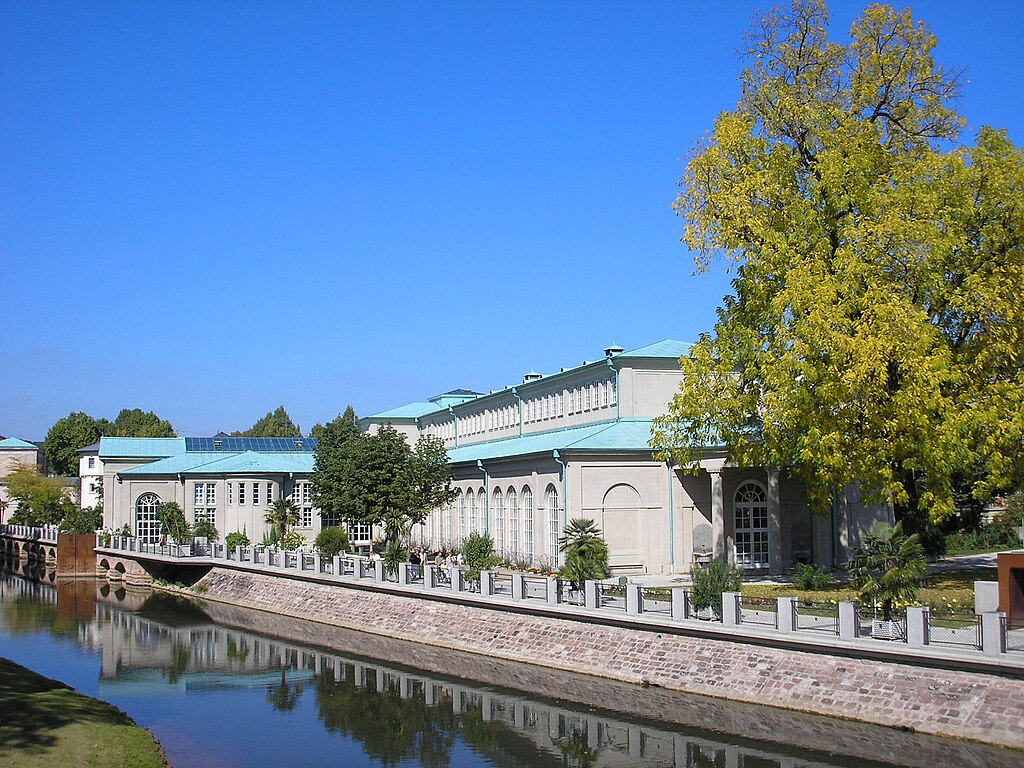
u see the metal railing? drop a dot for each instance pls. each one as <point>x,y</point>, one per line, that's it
<point>760,610</point>
<point>811,616</point>
<point>611,596</point>
<point>656,600</point>
<point>1013,634</point>
<point>958,629</point>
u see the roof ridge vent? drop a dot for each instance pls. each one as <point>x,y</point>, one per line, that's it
<point>532,376</point>
<point>613,350</point>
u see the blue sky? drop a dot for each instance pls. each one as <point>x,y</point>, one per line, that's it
<point>212,209</point>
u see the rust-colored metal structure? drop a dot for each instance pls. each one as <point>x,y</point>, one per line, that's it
<point>75,555</point>
<point>1011,583</point>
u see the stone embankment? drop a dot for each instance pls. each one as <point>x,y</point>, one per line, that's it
<point>969,705</point>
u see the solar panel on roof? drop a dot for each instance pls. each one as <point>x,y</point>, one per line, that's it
<point>242,444</point>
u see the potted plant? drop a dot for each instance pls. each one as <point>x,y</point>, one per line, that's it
<point>887,568</point>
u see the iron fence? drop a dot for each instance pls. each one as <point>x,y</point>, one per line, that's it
<point>656,600</point>
<point>1013,633</point>
<point>611,596</point>
<point>812,616</point>
<point>569,594</point>
<point>501,584</point>
<point>535,588</point>
<point>958,629</point>
<point>760,610</point>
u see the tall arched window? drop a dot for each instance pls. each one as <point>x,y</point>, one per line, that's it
<point>499,521</point>
<point>554,528</point>
<point>528,529</point>
<point>513,522</point>
<point>472,512</point>
<point>147,518</point>
<point>462,513</point>
<point>750,507</point>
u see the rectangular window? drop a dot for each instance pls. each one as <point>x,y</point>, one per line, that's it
<point>200,494</point>
<point>589,396</point>
<point>206,514</point>
<point>241,493</point>
<point>306,515</point>
<point>92,462</point>
<point>211,494</point>
<point>256,494</point>
<point>561,404</point>
<point>328,520</point>
<point>359,533</point>
<point>231,489</point>
<point>270,493</point>
<point>604,392</point>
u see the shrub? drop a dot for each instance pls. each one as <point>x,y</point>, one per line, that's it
<point>206,530</point>
<point>85,520</point>
<point>478,554</point>
<point>586,552</point>
<point>173,522</point>
<point>888,567</point>
<point>332,541</point>
<point>811,577</point>
<point>395,553</point>
<point>237,539</point>
<point>292,540</point>
<point>710,581</point>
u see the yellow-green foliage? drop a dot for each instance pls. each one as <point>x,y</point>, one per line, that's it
<point>875,329</point>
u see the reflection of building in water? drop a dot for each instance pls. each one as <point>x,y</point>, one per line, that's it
<point>142,654</point>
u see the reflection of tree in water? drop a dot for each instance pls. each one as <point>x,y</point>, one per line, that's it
<point>390,728</point>
<point>285,696</point>
<point>576,750</point>
<point>180,656</point>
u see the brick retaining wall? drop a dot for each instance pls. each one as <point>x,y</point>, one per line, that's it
<point>976,706</point>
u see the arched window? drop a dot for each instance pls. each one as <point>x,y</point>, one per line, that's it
<point>513,522</point>
<point>499,521</point>
<point>147,518</point>
<point>472,512</point>
<point>554,528</point>
<point>750,507</point>
<point>462,513</point>
<point>528,529</point>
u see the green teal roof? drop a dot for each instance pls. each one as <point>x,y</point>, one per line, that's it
<point>13,442</point>
<point>141,447</point>
<point>218,463</point>
<point>663,348</point>
<point>410,411</point>
<point>609,436</point>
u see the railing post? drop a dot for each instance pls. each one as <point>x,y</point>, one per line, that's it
<point>458,579</point>
<point>403,573</point>
<point>786,614</point>
<point>518,586</point>
<point>993,633</point>
<point>429,576</point>
<point>591,594</point>
<point>918,625</point>
<point>680,603</point>
<point>732,615</point>
<point>240,553</point>
<point>378,571</point>
<point>486,583</point>
<point>336,565</point>
<point>849,620</point>
<point>551,587</point>
<point>634,599</point>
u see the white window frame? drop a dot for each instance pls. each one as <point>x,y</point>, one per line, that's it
<point>750,521</point>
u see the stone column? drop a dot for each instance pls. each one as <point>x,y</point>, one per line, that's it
<point>993,641</point>
<point>918,619</point>
<point>518,586</point>
<point>718,516</point>
<point>551,585</point>
<point>634,599</point>
<point>849,620</point>
<point>786,614</point>
<point>774,523</point>
<point>731,613</point>
<point>486,583</point>
<point>591,595</point>
<point>680,604</point>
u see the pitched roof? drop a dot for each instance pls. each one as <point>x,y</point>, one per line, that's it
<point>219,462</point>
<point>94,447</point>
<point>408,411</point>
<point>629,435</point>
<point>228,444</point>
<point>663,348</point>
<point>14,443</point>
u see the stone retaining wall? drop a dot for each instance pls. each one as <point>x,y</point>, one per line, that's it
<point>976,706</point>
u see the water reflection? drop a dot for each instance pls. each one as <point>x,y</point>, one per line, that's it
<point>155,645</point>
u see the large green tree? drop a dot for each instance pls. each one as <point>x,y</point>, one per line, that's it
<point>66,436</point>
<point>136,422</point>
<point>875,330</point>
<point>39,500</point>
<point>275,424</point>
<point>379,479</point>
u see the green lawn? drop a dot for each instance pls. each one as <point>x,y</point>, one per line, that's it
<point>45,723</point>
<point>942,591</point>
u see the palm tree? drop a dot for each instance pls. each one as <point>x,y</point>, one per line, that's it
<point>586,552</point>
<point>888,567</point>
<point>281,516</point>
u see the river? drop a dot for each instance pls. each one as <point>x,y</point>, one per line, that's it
<point>216,692</point>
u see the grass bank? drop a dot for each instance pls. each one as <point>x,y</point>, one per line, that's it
<point>944,590</point>
<point>45,723</point>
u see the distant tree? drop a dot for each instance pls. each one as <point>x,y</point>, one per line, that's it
<point>84,520</point>
<point>275,424</point>
<point>40,500</point>
<point>339,430</point>
<point>330,463</point>
<point>138,423</point>
<point>65,438</point>
<point>378,479</point>
<point>331,541</point>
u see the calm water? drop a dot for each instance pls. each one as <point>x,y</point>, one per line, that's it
<point>216,693</point>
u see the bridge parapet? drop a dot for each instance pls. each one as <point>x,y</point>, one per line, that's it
<point>45,534</point>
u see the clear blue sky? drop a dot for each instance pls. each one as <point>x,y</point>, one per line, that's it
<point>212,209</point>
